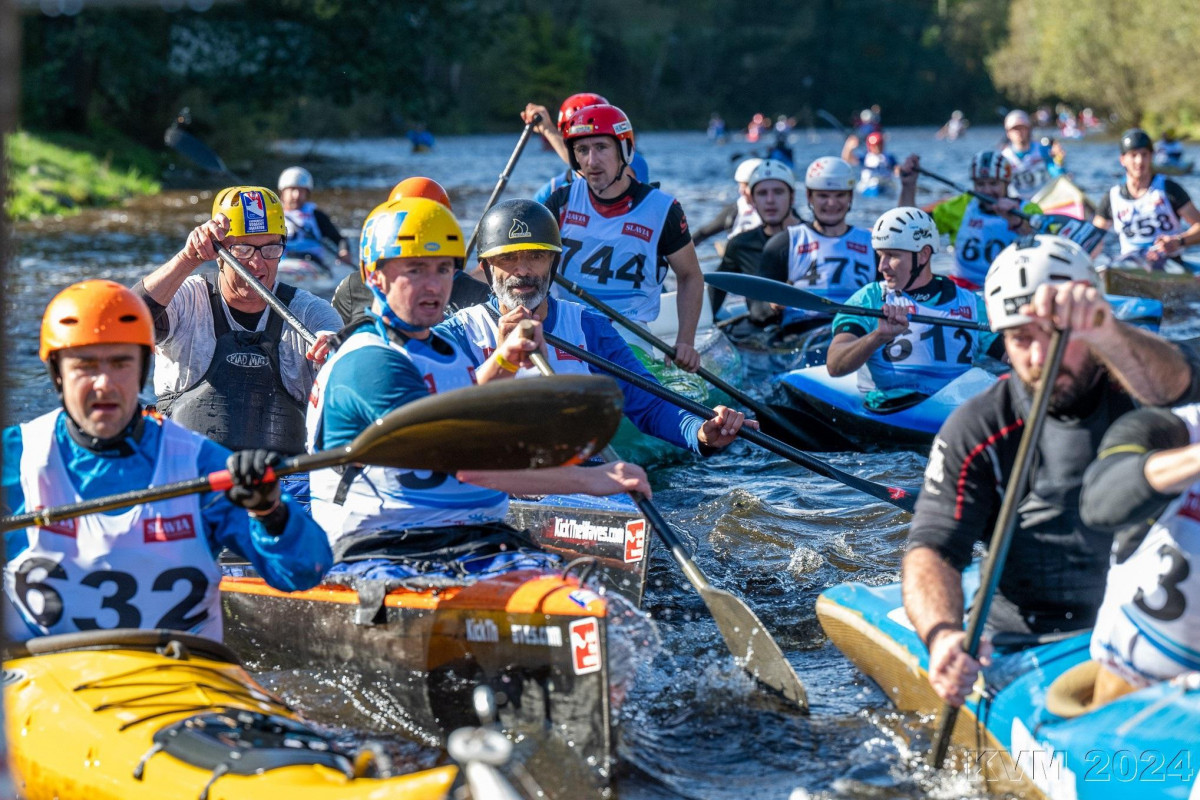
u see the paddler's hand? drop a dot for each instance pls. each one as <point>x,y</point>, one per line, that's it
<point>722,429</point>
<point>1004,208</point>
<point>509,322</point>
<point>200,246</point>
<point>1077,305</point>
<point>893,323</point>
<point>686,357</point>
<point>522,340</point>
<point>321,348</point>
<point>543,125</point>
<point>1164,247</point>
<point>952,672</point>
<point>247,468</point>
<point>908,170</point>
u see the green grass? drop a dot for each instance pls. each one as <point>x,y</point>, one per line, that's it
<point>67,174</point>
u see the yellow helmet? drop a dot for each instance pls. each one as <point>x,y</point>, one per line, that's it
<point>251,210</point>
<point>409,228</point>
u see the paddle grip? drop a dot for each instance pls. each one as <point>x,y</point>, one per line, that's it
<point>222,481</point>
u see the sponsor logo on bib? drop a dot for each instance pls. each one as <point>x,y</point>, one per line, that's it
<point>575,218</point>
<point>64,527</point>
<point>638,231</point>
<point>857,247</point>
<point>168,529</point>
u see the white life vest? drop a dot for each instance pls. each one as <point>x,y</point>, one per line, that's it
<point>1142,220</point>
<point>1149,622</point>
<point>1030,172</point>
<point>389,499</point>
<point>304,234</point>
<point>834,267</point>
<point>483,331</point>
<point>747,217</point>
<point>148,567</point>
<point>979,240</point>
<point>616,258</point>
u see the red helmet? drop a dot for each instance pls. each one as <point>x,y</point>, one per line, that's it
<point>573,104</point>
<point>875,138</point>
<point>602,120</point>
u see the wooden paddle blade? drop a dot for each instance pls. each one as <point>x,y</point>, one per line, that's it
<point>525,424</point>
<point>749,641</point>
<point>769,291</point>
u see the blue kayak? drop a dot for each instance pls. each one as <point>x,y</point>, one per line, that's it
<point>1023,725</point>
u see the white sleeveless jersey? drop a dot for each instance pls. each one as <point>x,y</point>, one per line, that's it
<point>385,498</point>
<point>148,567</point>
<point>1148,627</point>
<point>1030,172</point>
<point>834,267</point>
<point>483,331</point>
<point>747,218</point>
<point>1139,222</point>
<point>979,240</point>
<point>304,235</point>
<point>616,259</point>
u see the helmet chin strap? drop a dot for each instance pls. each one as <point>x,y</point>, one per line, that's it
<point>914,273</point>
<point>389,316</point>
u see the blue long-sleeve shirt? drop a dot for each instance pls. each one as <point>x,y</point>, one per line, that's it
<point>294,560</point>
<point>641,171</point>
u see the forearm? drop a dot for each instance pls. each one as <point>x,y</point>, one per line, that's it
<point>689,300</point>
<point>932,590</point>
<point>1173,471</point>
<point>852,352</point>
<point>908,193</point>
<point>1153,370</point>
<point>164,282</point>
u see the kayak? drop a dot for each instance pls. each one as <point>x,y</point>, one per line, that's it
<point>1026,727</point>
<point>875,186</point>
<point>130,714</point>
<point>1175,168</point>
<point>1176,291</point>
<point>320,277</point>
<point>832,412</point>
<point>538,638</point>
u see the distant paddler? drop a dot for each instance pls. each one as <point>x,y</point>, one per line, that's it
<point>352,298</point>
<point>396,354</point>
<point>226,365</point>
<point>617,230</point>
<point>519,250</point>
<point>1055,573</point>
<point>737,216</point>
<point>311,233</point>
<point>1153,214</point>
<point>901,361</point>
<point>1033,163</point>
<point>153,565</point>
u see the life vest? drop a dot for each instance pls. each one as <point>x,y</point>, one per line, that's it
<point>746,218</point>
<point>834,267</point>
<point>241,402</point>
<point>304,234</point>
<point>482,331</point>
<point>1031,171</point>
<point>150,566</point>
<point>1141,220</point>
<point>980,239</point>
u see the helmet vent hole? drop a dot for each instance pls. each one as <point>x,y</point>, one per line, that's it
<point>1024,280</point>
<point>128,318</point>
<point>69,321</point>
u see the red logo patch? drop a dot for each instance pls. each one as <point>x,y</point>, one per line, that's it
<point>64,527</point>
<point>962,311</point>
<point>1191,506</point>
<point>430,383</point>
<point>975,223</point>
<point>169,529</point>
<point>585,645</point>
<point>811,247</point>
<point>638,231</point>
<point>857,247</point>
<point>563,355</point>
<point>635,540</point>
<point>575,218</point>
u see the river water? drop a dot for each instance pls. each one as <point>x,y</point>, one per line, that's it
<point>763,528</point>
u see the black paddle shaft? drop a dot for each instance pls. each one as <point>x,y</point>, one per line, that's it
<point>897,496</point>
<point>1002,534</point>
<point>503,180</point>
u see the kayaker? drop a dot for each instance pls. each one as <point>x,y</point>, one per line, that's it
<point>878,168</point>
<point>226,365</point>
<point>1033,165</point>
<point>737,216</point>
<point>978,230</point>
<point>772,191</point>
<point>827,256</point>
<point>153,565</point>
<point>899,362</point>
<point>394,356</point>
<point>519,247</point>
<point>617,230</point>
<point>1054,579</point>
<point>554,137</point>
<point>352,298</point>
<point>955,127</point>
<point>1154,214</point>
<point>311,233</point>
<point>1168,150</point>
<point>869,121</point>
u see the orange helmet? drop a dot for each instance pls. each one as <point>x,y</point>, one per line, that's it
<point>420,187</point>
<point>95,312</point>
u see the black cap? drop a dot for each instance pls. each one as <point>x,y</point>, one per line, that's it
<point>1135,139</point>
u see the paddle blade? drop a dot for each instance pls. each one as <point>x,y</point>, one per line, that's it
<point>194,150</point>
<point>514,424</point>
<point>751,644</point>
<point>769,291</point>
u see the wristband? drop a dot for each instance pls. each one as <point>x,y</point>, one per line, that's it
<point>936,629</point>
<point>505,364</point>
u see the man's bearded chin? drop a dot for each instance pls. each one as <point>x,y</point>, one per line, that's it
<point>510,299</point>
<point>1071,397</point>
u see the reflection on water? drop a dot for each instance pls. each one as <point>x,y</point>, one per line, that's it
<point>692,724</point>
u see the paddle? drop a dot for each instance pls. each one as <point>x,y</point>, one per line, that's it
<point>832,120</point>
<point>745,636</point>
<point>1084,234</point>
<point>761,411</point>
<point>504,176</point>
<point>898,496</point>
<point>228,259</point>
<point>502,425</point>
<point>785,294</point>
<point>1002,534</point>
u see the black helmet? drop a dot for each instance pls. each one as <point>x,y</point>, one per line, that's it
<point>1135,139</point>
<point>514,225</point>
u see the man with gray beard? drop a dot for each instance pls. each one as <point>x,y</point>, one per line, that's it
<point>519,250</point>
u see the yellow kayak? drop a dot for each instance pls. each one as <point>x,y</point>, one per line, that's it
<point>131,714</point>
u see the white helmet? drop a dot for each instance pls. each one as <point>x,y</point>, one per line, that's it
<point>1016,117</point>
<point>1025,265</point>
<point>746,169</point>
<point>772,170</point>
<point>298,177</point>
<point>904,228</point>
<point>831,174</point>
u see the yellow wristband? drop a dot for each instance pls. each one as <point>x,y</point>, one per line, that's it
<point>505,364</point>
